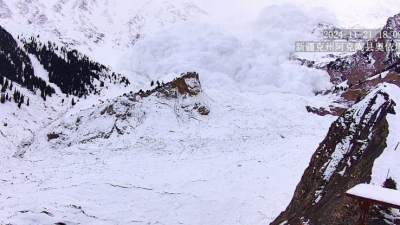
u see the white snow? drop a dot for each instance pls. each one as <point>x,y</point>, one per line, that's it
<point>382,75</point>
<point>42,73</point>
<point>388,165</point>
<point>239,165</point>
<point>344,84</point>
<point>341,149</point>
<point>376,193</point>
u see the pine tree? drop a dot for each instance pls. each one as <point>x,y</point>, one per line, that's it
<point>27,102</point>
<point>15,96</point>
<point>5,86</point>
<point>73,102</point>
<point>42,94</point>
<point>152,83</point>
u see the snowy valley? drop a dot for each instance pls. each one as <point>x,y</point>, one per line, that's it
<point>175,112</point>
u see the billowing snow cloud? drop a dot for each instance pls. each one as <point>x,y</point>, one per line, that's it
<point>250,58</point>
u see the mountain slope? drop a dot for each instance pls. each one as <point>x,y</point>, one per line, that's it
<point>93,24</point>
<point>39,82</point>
<point>353,75</point>
<point>123,116</point>
<point>348,156</point>
<point>172,165</point>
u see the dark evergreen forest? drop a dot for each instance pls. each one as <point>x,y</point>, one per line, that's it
<point>70,70</point>
<point>16,66</point>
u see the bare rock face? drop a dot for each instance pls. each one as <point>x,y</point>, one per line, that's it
<point>336,111</point>
<point>343,159</point>
<point>188,84</point>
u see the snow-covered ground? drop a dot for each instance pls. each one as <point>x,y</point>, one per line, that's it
<point>388,165</point>
<point>238,165</point>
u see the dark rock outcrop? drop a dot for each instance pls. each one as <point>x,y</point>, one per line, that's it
<point>343,159</point>
<point>52,136</point>
<point>336,111</point>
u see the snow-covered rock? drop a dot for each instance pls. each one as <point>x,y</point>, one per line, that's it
<point>181,99</point>
<point>360,147</point>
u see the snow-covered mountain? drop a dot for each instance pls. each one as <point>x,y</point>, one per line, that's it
<point>156,144</point>
<point>94,26</point>
<point>160,159</point>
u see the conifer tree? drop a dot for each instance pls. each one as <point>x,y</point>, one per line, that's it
<point>5,86</point>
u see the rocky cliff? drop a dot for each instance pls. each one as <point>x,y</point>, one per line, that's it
<point>344,159</point>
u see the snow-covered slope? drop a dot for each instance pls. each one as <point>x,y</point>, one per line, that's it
<point>231,153</point>
<point>79,81</point>
<point>368,14</point>
<point>101,25</point>
<point>172,166</point>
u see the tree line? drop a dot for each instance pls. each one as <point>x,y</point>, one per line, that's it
<point>70,70</point>
<point>16,66</point>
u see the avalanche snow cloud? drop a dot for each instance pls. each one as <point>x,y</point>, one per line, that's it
<point>251,58</point>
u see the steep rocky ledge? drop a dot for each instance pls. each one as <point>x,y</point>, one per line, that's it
<point>343,159</point>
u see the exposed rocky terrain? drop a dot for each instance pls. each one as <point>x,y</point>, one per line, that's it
<point>343,159</point>
<point>354,75</point>
<point>367,82</point>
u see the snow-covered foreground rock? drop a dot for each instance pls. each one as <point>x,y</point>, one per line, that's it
<point>237,165</point>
